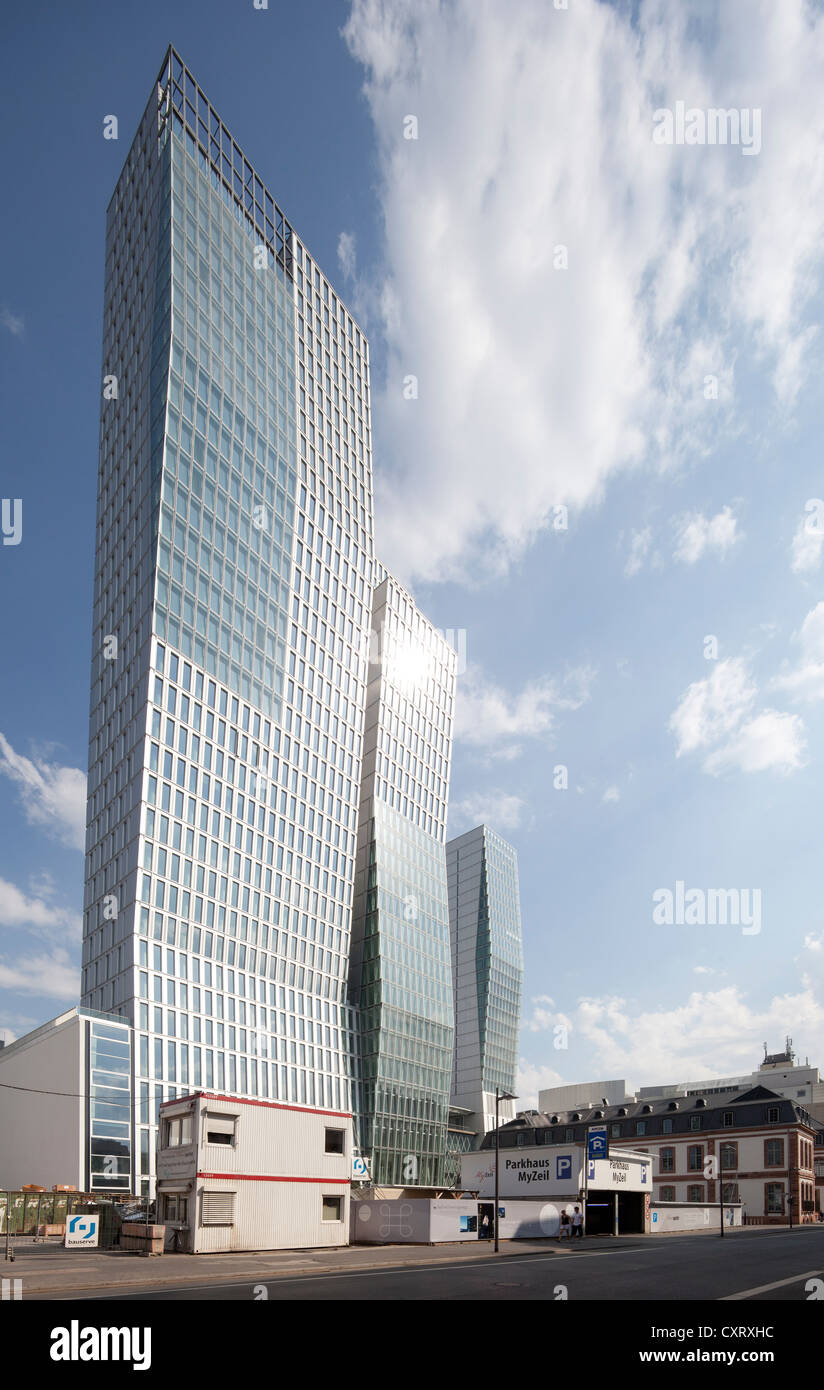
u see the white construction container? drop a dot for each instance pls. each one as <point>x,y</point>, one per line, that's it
<point>416,1220</point>
<point>238,1174</point>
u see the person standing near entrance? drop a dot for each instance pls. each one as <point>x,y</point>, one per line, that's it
<point>564,1227</point>
<point>577,1222</point>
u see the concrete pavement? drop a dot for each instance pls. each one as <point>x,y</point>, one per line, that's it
<point>51,1271</point>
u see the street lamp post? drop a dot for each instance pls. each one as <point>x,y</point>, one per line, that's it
<point>499,1096</point>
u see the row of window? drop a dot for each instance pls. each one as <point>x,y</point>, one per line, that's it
<point>728,1156</point>
<point>218,1208</point>
<point>221,1128</point>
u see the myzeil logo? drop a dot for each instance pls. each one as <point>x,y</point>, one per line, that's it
<point>713,907</point>
<point>715,126</point>
<point>76,1343</point>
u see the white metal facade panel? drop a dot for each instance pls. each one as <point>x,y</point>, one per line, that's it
<point>42,1137</point>
<point>277,1168</point>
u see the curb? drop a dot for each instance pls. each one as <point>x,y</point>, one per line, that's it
<point>262,1276</point>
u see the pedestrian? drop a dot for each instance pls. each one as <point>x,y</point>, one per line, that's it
<point>577,1222</point>
<point>564,1229</point>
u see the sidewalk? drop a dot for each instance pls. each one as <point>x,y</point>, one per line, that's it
<point>48,1270</point>
<point>51,1270</point>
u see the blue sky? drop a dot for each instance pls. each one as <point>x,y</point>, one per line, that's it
<point>595,322</point>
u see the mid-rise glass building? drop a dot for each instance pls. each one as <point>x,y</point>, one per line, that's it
<point>233,592</point>
<point>487,972</point>
<point>401,981</point>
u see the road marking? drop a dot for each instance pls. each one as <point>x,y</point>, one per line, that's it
<point>767,1288</point>
<point>261,1277</point>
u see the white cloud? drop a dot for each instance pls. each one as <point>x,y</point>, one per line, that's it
<point>498,809</point>
<point>18,910</point>
<point>346,254</point>
<point>535,383</point>
<point>715,1033</point>
<point>696,533</point>
<point>611,794</point>
<point>52,796</point>
<point>53,975</point>
<point>489,717</point>
<point>806,680</point>
<point>713,706</point>
<point>639,547</point>
<point>12,322</point>
<point>806,548</point>
<point>530,1080</point>
<point>770,740</point>
<point>545,1016</point>
<point>720,707</point>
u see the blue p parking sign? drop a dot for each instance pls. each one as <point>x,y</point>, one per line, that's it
<point>597,1142</point>
<point>563,1166</point>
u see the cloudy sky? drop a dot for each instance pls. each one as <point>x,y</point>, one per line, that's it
<point>597,421</point>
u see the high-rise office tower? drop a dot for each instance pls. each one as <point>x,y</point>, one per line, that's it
<point>400,983</point>
<point>231,617</point>
<point>487,972</point>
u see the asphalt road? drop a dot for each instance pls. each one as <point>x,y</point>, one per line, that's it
<point>746,1267</point>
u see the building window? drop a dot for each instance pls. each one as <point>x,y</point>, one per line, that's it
<point>695,1158</point>
<point>666,1194</point>
<point>176,1208</point>
<point>334,1141</point>
<point>772,1115</point>
<point>667,1157</point>
<point>616,1131</point>
<point>666,1125</point>
<point>729,1156</point>
<point>695,1193</point>
<point>333,1209</point>
<point>177,1131</point>
<point>774,1153</point>
<point>774,1198</point>
<point>217,1209</point>
<point>729,1119</point>
<point>730,1192</point>
<point>220,1129</point>
<point>695,1121</point>
<point>569,1135</point>
<point>641,1127</point>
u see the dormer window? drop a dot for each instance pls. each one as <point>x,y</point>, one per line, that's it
<point>646,1109</point>
<point>673,1105</point>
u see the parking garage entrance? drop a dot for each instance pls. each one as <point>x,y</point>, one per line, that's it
<point>609,1212</point>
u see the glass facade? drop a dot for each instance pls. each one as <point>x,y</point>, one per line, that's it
<point>401,982</point>
<point>232,612</point>
<point>110,1107</point>
<point>499,965</point>
<point>487,969</point>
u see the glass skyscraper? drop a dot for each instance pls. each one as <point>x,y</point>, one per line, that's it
<point>401,983</point>
<point>487,972</point>
<point>233,589</point>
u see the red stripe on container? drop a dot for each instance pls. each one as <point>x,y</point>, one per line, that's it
<point>265,1177</point>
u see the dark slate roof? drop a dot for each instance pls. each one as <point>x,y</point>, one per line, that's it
<point>748,1103</point>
